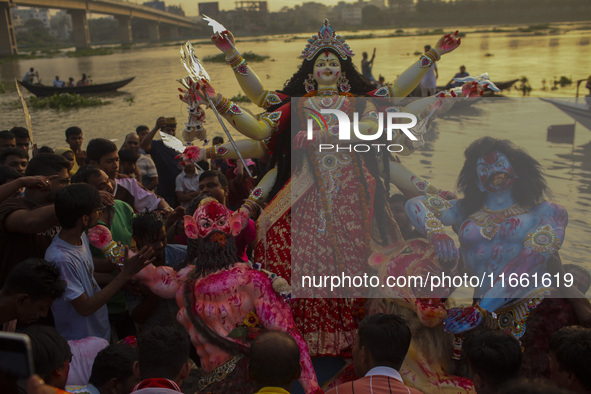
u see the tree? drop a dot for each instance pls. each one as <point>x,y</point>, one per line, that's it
<point>35,35</point>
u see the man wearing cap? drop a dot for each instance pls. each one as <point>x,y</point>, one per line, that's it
<point>164,157</point>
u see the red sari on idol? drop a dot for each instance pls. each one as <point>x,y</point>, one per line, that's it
<point>320,223</point>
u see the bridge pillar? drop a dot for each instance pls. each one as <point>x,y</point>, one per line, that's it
<point>172,32</point>
<point>154,31</point>
<point>125,29</point>
<point>7,37</point>
<point>80,29</point>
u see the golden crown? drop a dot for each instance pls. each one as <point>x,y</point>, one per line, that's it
<point>326,38</point>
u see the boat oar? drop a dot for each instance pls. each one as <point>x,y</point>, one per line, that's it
<point>26,112</point>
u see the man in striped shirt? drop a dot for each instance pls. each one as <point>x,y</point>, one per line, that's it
<point>378,352</point>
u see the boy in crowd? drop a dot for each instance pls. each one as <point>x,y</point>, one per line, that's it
<point>145,165</point>
<point>141,132</point>
<point>274,362</point>
<point>7,139</point>
<point>102,153</point>
<point>127,163</point>
<point>82,311</point>
<point>570,358</point>
<point>30,289</point>
<point>112,371</point>
<point>22,138</point>
<point>494,358</point>
<point>27,225</point>
<point>51,355</point>
<point>117,217</point>
<point>379,349</point>
<point>149,309</point>
<point>74,138</point>
<point>215,184</point>
<point>219,164</point>
<point>163,360</point>
<point>15,158</point>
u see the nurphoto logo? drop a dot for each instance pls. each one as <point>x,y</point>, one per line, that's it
<point>344,130</point>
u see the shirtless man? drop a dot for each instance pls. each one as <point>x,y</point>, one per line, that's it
<point>223,303</point>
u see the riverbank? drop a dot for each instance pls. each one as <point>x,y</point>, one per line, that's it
<point>518,30</point>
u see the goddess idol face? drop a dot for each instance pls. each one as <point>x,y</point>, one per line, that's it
<point>327,69</point>
<point>495,173</point>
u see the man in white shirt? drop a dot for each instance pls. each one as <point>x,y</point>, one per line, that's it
<point>187,184</point>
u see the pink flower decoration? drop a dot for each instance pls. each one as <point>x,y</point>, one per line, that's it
<point>99,236</point>
<point>191,153</point>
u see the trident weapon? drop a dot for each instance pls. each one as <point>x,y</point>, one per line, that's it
<point>197,73</point>
<point>217,27</point>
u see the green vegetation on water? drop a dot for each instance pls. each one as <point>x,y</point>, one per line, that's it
<point>64,100</point>
<point>248,56</point>
<point>563,81</point>
<point>240,98</point>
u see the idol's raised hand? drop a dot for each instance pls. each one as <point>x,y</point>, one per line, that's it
<point>448,43</point>
<point>196,91</point>
<point>463,319</point>
<point>445,249</point>
<point>224,41</point>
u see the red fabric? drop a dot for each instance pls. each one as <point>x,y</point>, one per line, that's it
<point>327,324</point>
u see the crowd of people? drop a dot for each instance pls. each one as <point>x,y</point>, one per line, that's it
<point>135,269</point>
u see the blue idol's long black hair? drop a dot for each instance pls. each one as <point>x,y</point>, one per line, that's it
<point>529,189</point>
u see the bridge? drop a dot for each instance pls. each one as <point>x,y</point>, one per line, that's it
<point>123,11</point>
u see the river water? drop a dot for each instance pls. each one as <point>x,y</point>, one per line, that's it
<point>504,56</point>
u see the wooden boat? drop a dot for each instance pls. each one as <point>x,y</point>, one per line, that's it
<point>579,111</point>
<point>43,90</point>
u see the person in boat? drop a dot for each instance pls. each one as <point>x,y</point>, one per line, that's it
<point>83,82</point>
<point>58,83</point>
<point>30,76</point>
<point>588,97</point>
<point>70,83</point>
<point>462,74</point>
